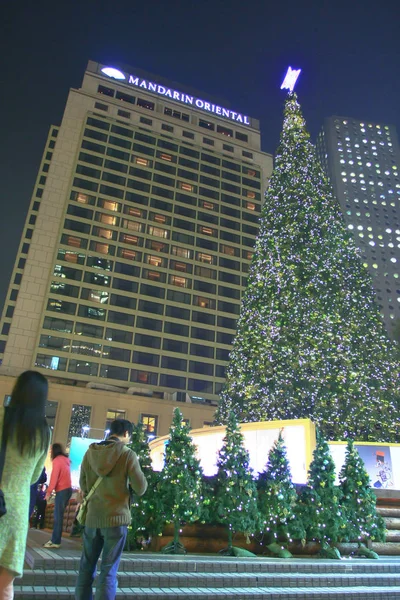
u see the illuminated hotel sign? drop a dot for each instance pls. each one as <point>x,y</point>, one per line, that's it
<point>161,90</point>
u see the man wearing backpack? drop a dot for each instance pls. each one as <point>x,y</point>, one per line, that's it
<point>108,509</point>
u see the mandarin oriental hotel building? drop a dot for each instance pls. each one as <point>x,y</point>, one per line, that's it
<point>127,284</point>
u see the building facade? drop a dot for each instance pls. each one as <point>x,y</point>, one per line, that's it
<point>362,161</point>
<point>136,246</point>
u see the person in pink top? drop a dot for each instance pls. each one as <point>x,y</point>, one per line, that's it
<point>60,483</point>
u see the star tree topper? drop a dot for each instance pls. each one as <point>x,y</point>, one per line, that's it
<point>290,79</point>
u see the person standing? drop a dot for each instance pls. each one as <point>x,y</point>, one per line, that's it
<point>40,504</point>
<point>34,488</point>
<point>24,430</point>
<point>60,482</point>
<point>108,509</point>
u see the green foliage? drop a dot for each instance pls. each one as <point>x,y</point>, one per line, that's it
<point>359,500</point>
<point>235,496</point>
<point>277,497</point>
<point>320,501</point>
<point>146,510</point>
<point>181,477</point>
<point>310,341</point>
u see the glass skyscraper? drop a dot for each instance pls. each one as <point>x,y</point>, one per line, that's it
<point>362,161</point>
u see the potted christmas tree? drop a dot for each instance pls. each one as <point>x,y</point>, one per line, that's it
<point>320,502</point>
<point>276,502</point>
<point>181,482</point>
<point>235,495</point>
<point>359,503</point>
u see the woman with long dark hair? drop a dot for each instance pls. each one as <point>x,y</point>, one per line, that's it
<point>60,483</point>
<point>24,429</point>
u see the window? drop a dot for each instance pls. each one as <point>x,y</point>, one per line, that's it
<point>102,89</point>
<point>144,377</point>
<point>145,104</point>
<point>112,415</point>
<point>243,138</point>
<point>168,128</point>
<point>227,148</point>
<point>201,368</point>
<point>199,350</point>
<point>118,335</point>
<point>86,329</point>
<point>146,121</point>
<point>158,232</point>
<point>204,302</point>
<point>149,341</point>
<point>205,272</point>
<point>188,134</point>
<point>125,97</point>
<point>224,131</point>
<point>124,113</point>
<point>175,346</point>
<point>187,187</point>
<point>150,424</point>
<point>176,329</point>
<point>208,141</point>
<point>112,372</point>
<point>207,231</point>
<point>174,363</point>
<point>183,282</point>
<point>173,381</point>
<point>206,124</point>
<point>181,297</point>
<point>177,312</point>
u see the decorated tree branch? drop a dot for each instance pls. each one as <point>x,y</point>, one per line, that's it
<point>235,496</point>
<point>363,523</point>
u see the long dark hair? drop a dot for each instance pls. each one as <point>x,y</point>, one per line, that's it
<point>57,450</point>
<point>24,418</point>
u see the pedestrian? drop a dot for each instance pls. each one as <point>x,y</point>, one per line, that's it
<point>34,489</point>
<point>108,509</point>
<point>41,504</point>
<point>60,482</point>
<point>25,438</point>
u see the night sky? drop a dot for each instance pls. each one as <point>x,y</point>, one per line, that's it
<point>234,49</point>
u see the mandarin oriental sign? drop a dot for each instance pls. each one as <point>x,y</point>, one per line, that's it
<point>162,90</point>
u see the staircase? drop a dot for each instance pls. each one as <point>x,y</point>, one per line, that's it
<point>52,575</point>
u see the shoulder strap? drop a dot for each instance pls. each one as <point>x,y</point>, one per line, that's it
<point>93,488</point>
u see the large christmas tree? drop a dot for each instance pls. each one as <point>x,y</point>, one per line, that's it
<point>310,341</point>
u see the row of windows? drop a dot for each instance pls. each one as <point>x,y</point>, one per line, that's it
<point>110,92</point>
<point>157,232</point>
<point>166,163</point>
<point>90,369</point>
<point>124,139</point>
<point>119,354</point>
<point>130,302</point>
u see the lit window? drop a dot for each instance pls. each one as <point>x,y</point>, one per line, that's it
<point>208,205</point>
<point>82,198</point>
<point>206,258</point>
<point>128,254</point>
<point>134,212</point>
<point>182,252</point>
<point>207,230</point>
<point>102,248</point>
<point>108,219</point>
<point>187,187</point>
<point>153,275</point>
<point>179,281</point>
<point>105,233</point>
<point>160,218</point>
<point>250,206</point>
<point>132,225</point>
<point>149,421</point>
<point>166,156</point>
<point>141,161</point>
<point>250,194</point>
<point>156,261</point>
<point>158,232</point>
<point>133,240</point>
<point>109,205</point>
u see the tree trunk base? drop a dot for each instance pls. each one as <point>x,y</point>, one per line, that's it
<point>174,548</point>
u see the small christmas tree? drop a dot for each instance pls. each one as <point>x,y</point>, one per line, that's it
<point>320,509</point>
<point>146,510</point>
<point>359,503</point>
<point>181,481</point>
<point>235,495</point>
<point>276,501</point>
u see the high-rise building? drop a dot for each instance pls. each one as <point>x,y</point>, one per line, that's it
<point>362,161</point>
<point>137,242</point>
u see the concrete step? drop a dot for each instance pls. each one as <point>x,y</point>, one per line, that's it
<point>245,593</point>
<point>161,579</point>
<point>392,523</point>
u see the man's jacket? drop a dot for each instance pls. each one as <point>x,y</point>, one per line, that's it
<point>119,467</point>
